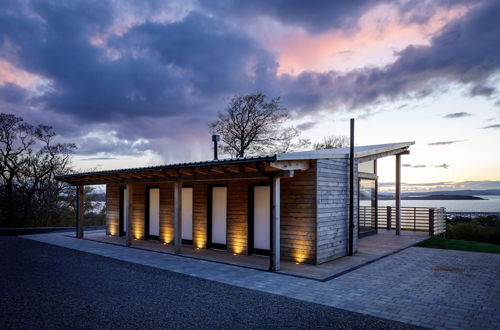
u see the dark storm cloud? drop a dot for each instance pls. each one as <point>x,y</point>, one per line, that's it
<point>315,16</point>
<point>457,115</point>
<point>159,69</point>
<point>167,80</point>
<point>443,143</point>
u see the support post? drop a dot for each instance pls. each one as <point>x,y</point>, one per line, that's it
<point>376,195</point>
<point>389,218</point>
<point>274,258</point>
<point>177,217</point>
<point>80,211</point>
<point>431,222</point>
<point>351,193</point>
<point>128,214</point>
<point>398,194</point>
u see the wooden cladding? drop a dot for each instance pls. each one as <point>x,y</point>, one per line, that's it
<point>298,213</point>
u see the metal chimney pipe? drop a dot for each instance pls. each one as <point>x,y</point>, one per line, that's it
<point>215,139</point>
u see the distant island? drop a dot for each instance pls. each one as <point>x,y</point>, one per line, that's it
<point>442,197</point>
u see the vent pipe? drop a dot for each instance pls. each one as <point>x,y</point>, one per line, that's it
<point>215,139</point>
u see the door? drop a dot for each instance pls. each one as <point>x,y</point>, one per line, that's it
<point>153,213</point>
<point>187,215</point>
<point>218,218</point>
<point>367,208</point>
<point>260,227</point>
<point>123,211</point>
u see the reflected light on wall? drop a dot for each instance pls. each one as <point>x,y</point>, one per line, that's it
<point>200,241</point>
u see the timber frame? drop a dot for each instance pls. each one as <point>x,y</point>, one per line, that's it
<point>309,207</point>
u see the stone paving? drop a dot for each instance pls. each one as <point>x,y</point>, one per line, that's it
<point>426,287</point>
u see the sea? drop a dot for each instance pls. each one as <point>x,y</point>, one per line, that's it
<point>491,203</point>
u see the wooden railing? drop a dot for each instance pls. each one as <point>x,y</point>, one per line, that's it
<point>431,220</point>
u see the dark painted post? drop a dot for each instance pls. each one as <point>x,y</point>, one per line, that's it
<point>389,218</point>
<point>431,222</point>
<point>351,191</point>
<point>398,194</point>
<point>215,139</point>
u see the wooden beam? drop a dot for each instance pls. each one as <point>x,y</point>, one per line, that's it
<point>274,260</point>
<point>290,164</point>
<point>217,169</point>
<point>128,214</point>
<point>403,151</point>
<point>398,194</point>
<point>233,169</point>
<point>200,170</point>
<point>185,171</point>
<point>80,211</point>
<point>177,217</point>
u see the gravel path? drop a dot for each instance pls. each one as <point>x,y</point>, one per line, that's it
<point>44,286</point>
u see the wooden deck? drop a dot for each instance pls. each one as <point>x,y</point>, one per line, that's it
<point>370,249</point>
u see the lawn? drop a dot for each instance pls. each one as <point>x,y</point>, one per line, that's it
<point>458,244</point>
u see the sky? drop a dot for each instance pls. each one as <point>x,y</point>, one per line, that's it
<point>135,83</point>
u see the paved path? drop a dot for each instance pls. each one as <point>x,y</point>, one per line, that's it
<point>426,287</point>
<point>48,287</point>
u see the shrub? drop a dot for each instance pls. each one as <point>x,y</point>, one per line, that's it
<point>479,230</point>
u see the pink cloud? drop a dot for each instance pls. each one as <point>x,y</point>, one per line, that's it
<point>381,33</point>
<point>11,74</point>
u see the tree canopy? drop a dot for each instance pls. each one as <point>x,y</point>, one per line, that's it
<point>252,125</point>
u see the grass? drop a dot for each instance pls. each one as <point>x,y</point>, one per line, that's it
<point>458,244</point>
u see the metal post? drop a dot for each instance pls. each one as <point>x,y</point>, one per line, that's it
<point>215,139</point>
<point>431,222</point>
<point>376,195</point>
<point>398,194</point>
<point>351,192</point>
<point>389,218</point>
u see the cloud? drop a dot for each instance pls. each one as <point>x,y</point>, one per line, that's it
<point>443,185</point>
<point>103,66</point>
<point>442,143</point>
<point>307,125</point>
<point>445,166</point>
<point>414,166</point>
<point>457,115</point>
<point>418,71</point>
<point>496,126</point>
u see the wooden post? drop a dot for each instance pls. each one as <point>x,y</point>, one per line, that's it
<point>389,218</point>
<point>128,214</point>
<point>274,258</point>
<point>398,194</point>
<point>431,222</point>
<point>80,211</point>
<point>177,217</point>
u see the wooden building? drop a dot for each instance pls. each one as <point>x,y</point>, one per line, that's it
<point>292,206</point>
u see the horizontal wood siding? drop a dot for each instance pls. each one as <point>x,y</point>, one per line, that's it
<point>333,207</point>
<point>298,216</point>
<point>113,209</point>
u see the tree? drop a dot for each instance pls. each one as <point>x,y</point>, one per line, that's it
<point>250,125</point>
<point>29,161</point>
<point>332,142</point>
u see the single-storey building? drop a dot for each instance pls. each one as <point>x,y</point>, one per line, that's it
<point>291,206</point>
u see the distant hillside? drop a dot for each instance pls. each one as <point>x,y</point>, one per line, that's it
<point>486,192</point>
<point>442,197</point>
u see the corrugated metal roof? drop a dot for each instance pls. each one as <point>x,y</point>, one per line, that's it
<point>361,151</point>
<point>226,161</point>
